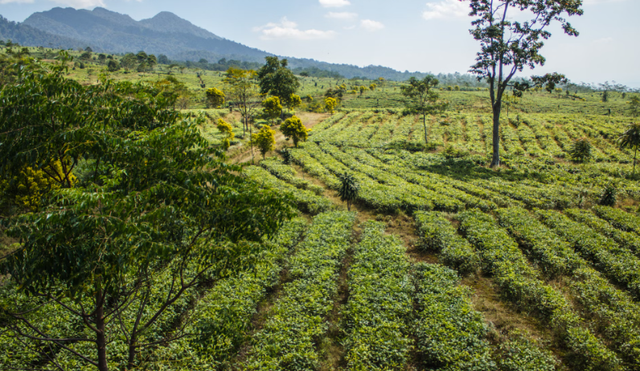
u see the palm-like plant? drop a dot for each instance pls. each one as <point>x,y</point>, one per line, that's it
<point>348,189</point>
<point>631,139</point>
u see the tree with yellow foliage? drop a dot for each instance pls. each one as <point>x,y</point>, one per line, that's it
<point>265,140</point>
<point>294,129</point>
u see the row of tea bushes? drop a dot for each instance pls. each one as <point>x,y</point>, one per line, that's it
<point>616,315</point>
<point>380,303</point>
<point>287,341</point>
<point>502,258</point>
<point>617,263</point>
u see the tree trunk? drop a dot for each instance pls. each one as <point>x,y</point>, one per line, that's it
<point>101,340</point>
<point>495,161</point>
<point>424,124</point>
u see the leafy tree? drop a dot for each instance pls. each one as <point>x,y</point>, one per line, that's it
<point>373,87</point>
<point>215,97</point>
<point>243,91</point>
<point>330,104</point>
<point>265,140</point>
<point>507,45</point>
<point>422,99</point>
<point>294,128</point>
<point>272,107</point>
<point>128,61</point>
<point>634,106</point>
<point>278,80</point>
<point>631,139</point>
<point>163,59</point>
<point>295,101</point>
<point>581,150</point>
<point>157,212</point>
<point>348,189</point>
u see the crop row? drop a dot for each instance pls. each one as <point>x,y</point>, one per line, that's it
<point>219,323</point>
<point>297,320</point>
<point>289,175</point>
<point>620,219</point>
<point>438,234</point>
<point>617,263</point>
<point>617,316</point>
<point>626,239</point>
<point>380,303</point>
<point>306,200</point>
<point>428,181</point>
<point>502,258</point>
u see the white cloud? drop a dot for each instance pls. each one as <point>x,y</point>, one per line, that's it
<point>589,2</point>
<point>342,15</point>
<point>287,29</point>
<point>446,9</point>
<point>370,25</point>
<point>334,3</point>
<point>16,1</point>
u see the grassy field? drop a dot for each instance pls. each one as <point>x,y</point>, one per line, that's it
<point>445,263</point>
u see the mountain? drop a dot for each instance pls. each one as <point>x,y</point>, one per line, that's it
<point>166,33</point>
<point>27,35</point>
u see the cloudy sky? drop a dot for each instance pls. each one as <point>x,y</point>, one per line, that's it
<point>421,35</point>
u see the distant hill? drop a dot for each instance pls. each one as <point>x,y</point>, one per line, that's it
<point>166,33</point>
<point>113,32</point>
<point>27,35</point>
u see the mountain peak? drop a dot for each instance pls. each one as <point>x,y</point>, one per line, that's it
<point>171,23</point>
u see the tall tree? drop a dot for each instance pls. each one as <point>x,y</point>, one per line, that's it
<point>507,45</point>
<point>155,211</point>
<point>278,80</point>
<point>422,99</point>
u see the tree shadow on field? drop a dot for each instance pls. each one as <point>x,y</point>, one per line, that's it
<point>475,167</point>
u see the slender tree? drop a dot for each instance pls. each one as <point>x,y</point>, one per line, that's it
<point>422,99</point>
<point>507,45</point>
<point>631,139</point>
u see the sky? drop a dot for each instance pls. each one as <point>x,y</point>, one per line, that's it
<point>422,35</point>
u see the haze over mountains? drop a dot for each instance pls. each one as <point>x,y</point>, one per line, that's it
<point>110,32</point>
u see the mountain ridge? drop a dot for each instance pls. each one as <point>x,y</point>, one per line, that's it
<point>165,33</point>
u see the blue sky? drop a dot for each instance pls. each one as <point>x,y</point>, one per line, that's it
<point>425,35</point>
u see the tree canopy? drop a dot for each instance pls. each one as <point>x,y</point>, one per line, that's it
<point>154,204</point>
<point>278,80</point>
<point>507,46</point>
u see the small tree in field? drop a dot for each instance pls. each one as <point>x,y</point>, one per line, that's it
<point>215,97</point>
<point>294,129</point>
<point>348,189</point>
<point>507,46</point>
<point>422,99</point>
<point>330,104</point>
<point>272,107</point>
<point>226,129</point>
<point>265,140</point>
<point>631,139</point>
<point>581,150</point>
